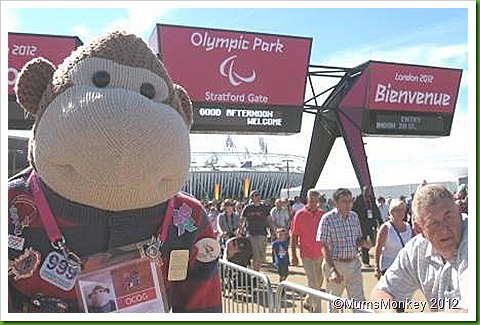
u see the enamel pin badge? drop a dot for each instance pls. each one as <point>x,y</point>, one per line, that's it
<point>24,265</point>
<point>208,250</point>
<point>182,219</point>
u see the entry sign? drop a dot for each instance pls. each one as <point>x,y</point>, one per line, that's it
<point>238,81</point>
<point>401,99</point>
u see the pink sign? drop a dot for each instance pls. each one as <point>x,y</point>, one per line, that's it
<point>24,47</point>
<point>239,68</point>
<point>398,87</point>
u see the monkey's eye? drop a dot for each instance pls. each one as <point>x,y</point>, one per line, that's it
<point>101,79</point>
<point>147,90</point>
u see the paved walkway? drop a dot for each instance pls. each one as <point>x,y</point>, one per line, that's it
<point>297,275</point>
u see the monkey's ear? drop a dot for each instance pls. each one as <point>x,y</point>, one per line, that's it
<point>185,105</point>
<point>32,81</point>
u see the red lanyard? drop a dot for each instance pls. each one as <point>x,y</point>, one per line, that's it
<point>48,221</point>
<point>54,234</point>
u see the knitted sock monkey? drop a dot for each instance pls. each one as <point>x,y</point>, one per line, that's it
<point>110,147</point>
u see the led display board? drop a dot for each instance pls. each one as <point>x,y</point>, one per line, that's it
<point>238,81</point>
<point>25,47</point>
<point>401,99</point>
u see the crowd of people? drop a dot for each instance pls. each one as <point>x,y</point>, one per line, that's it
<point>335,238</point>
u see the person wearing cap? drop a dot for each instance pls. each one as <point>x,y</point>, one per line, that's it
<point>256,222</point>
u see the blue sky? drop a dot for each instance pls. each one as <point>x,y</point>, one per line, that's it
<point>341,37</point>
<point>332,30</point>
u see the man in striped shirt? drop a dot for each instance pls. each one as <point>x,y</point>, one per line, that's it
<point>340,235</point>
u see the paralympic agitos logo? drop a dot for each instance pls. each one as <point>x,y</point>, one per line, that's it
<point>227,69</point>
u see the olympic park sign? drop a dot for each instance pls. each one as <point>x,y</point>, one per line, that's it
<point>239,82</point>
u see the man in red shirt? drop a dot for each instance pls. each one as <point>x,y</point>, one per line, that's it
<point>303,231</point>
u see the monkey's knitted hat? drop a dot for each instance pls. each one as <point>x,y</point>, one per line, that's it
<point>111,130</point>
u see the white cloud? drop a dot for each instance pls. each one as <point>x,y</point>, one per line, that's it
<point>454,54</point>
<point>425,54</point>
<point>464,81</point>
<point>12,22</point>
<point>141,19</point>
<point>83,32</point>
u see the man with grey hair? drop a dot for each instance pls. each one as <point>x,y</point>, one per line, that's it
<point>304,230</point>
<point>340,235</point>
<point>435,261</point>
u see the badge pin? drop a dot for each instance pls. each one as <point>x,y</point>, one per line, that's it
<point>25,265</point>
<point>177,269</point>
<point>14,215</point>
<point>15,222</point>
<point>153,252</point>
<point>59,271</point>
<point>208,250</point>
<point>16,242</point>
<point>41,303</point>
<point>182,219</point>
<point>23,221</point>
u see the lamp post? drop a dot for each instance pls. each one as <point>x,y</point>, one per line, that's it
<point>288,176</point>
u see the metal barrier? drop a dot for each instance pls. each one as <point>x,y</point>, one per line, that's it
<point>245,290</point>
<point>291,298</point>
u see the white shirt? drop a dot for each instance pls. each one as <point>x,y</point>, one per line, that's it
<point>393,244</point>
<point>417,266</point>
<point>280,217</point>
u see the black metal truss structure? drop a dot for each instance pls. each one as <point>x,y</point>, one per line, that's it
<point>326,126</point>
